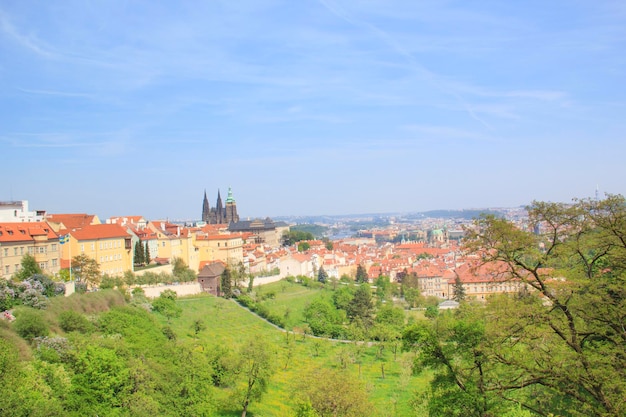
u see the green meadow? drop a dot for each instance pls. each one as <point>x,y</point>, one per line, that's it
<point>229,324</point>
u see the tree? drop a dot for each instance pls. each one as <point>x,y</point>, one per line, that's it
<point>303,246</point>
<point>86,270</point>
<point>458,289</point>
<point>28,268</point>
<point>139,254</point>
<point>559,347</point>
<point>361,274</point>
<point>238,275</point>
<point>333,392</point>
<point>255,368</point>
<point>226,283</point>
<point>322,276</point>
<point>166,305</point>
<point>146,255</point>
<point>361,306</point>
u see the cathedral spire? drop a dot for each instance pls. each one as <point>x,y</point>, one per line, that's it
<point>206,210</point>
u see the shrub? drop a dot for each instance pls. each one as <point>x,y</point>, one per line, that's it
<point>71,321</point>
<point>30,323</point>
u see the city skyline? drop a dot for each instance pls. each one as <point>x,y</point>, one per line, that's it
<point>311,108</point>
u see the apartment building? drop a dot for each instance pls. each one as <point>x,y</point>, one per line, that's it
<point>37,239</point>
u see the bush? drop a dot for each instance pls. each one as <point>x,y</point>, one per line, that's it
<point>30,323</point>
<point>71,321</point>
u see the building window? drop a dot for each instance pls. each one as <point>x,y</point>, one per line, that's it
<point>31,250</point>
<point>6,251</point>
<point>15,251</point>
<point>53,247</point>
<point>42,265</point>
<point>42,249</point>
<point>22,250</point>
<point>93,247</point>
<point>82,247</point>
<point>6,269</point>
<point>17,267</point>
<point>54,262</point>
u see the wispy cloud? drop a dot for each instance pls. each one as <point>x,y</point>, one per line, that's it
<point>29,42</point>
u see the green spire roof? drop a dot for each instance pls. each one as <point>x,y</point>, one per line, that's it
<point>230,198</point>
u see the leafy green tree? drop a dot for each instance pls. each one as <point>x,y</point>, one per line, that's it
<point>322,276</point>
<point>166,305</point>
<point>361,274</point>
<point>332,392</point>
<point>255,368</point>
<point>86,270</point>
<point>28,268</point>
<point>559,345</point>
<point>342,297</point>
<point>293,236</point>
<point>226,283</point>
<point>303,246</point>
<point>323,318</point>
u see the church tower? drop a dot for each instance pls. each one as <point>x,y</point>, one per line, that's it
<point>219,209</point>
<point>231,209</point>
<point>206,210</point>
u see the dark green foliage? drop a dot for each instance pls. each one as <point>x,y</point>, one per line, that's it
<point>294,236</point>
<point>322,276</point>
<point>226,283</point>
<point>361,274</point>
<point>30,323</point>
<point>361,306</point>
<point>72,321</point>
<point>303,246</point>
<point>138,254</point>
<point>458,290</point>
<point>146,254</point>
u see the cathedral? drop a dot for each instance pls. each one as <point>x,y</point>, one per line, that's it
<point>220,214</point>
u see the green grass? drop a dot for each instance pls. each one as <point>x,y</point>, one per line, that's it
<point>229,324</point>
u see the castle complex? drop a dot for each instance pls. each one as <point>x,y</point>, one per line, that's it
<point>220,214</point>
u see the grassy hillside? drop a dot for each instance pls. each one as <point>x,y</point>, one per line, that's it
<point>229,324</point>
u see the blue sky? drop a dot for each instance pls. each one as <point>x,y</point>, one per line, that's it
<point>310,107</point>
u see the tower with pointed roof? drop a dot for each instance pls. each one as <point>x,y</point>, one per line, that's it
<point>230,210</point>
<point>220,214</point>
<point>206,210</point>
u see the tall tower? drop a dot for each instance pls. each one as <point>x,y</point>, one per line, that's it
<point>206,210</point>
<point>231,208</point>
<point>219,209</point>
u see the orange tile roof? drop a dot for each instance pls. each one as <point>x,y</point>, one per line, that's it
<point>22,232</point>
<point>72,221</point>
<point>99,231</point>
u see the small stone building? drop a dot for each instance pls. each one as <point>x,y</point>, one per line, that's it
<point>210,277</point>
